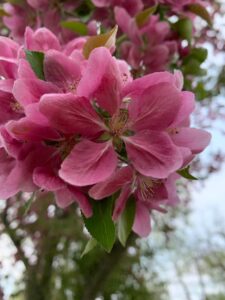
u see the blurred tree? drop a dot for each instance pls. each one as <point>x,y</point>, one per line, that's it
<point>54,268</point>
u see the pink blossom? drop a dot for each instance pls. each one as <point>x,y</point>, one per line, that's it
<point>89,128</point>
<point>40,40</point>
<point>149,147</point>
<point>132,6</point>
<point>24,171</point>
<point>46,177</point>
<point>19,17</point>
<point>149,44</point>
<point>9,52</point>
<point>37,13</point>
<point>38,3</point>
<point>17,169</point>
<point>149,193</point>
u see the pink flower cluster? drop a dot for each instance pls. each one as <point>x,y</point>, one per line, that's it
<point>87,129</point>
<point>38,13</point>
<point>149,46</point>
<point>134,6</point>
<point>153,44</point>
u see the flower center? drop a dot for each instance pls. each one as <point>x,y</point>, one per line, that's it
<point>67,146</point>
<point>72,86</point>
<point>16,107</point>
<point>118,122</point>
<point>173,131</point>
<point>147,187</point>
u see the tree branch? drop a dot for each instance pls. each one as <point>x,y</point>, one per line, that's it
<point>14,238</point>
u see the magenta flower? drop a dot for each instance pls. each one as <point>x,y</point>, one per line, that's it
<point>190,141</point>
<point>37,13</point>
<point>38,3</point>
<point>46,177</point>
<point>17,169</point>
<point>9,51</point>
<point>40,40</point>
<point>149,193</point>
<point>23,170</point>
<point>101,127</point>
<point>19,17</point>
<point>132,6</point>
<point>138,121</point>
<point>149,44</point>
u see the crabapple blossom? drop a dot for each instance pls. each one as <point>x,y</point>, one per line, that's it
<point>149,45</point>
<point>86,129</point>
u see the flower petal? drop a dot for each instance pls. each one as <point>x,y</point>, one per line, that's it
<point>69,195</point>
<point>41,40</point>
<point>156,108</point>
<point>121,202</point>
<point>32,111</point>
<point>25,70</point>
<point>6,85</point>
<point>64,197</point>
<point>194,139</point>
<point>45,178</point>
<point>186,108</point>
<point>89,163</point>
<point>11,145</point>
<point>8,108</point>
<point>62,70</point>
<point>16,175</point>
<point>26,130</point>
<point>82,200</point>
<point>170,184</point>
<point>8,67</point>
<point>153,153</point>
<point>27,91</point>
<point>142,224</point>
<point>71,114</point>
<point>112,184</point>
<point>137,86</point>
<point>9,181</point>
<point>102,80</point>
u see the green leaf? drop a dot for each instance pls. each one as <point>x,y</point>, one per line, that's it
<point>36,60</point>
<point>192,67</point>
<point>100,225</point>
<point>85,10</point>
<point>200,91</point>
<point>76,27</point>
<point>199,53</point>
<point>200,11</point>
<point>105,137</point>
<point>184,28</point>
<point>142,17</point>
<point>91,244</point>
<point>27,205</point>
<point>126,221</point>
<point>192,62</point>
<point>186,174</point>
<point>107,40</point>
